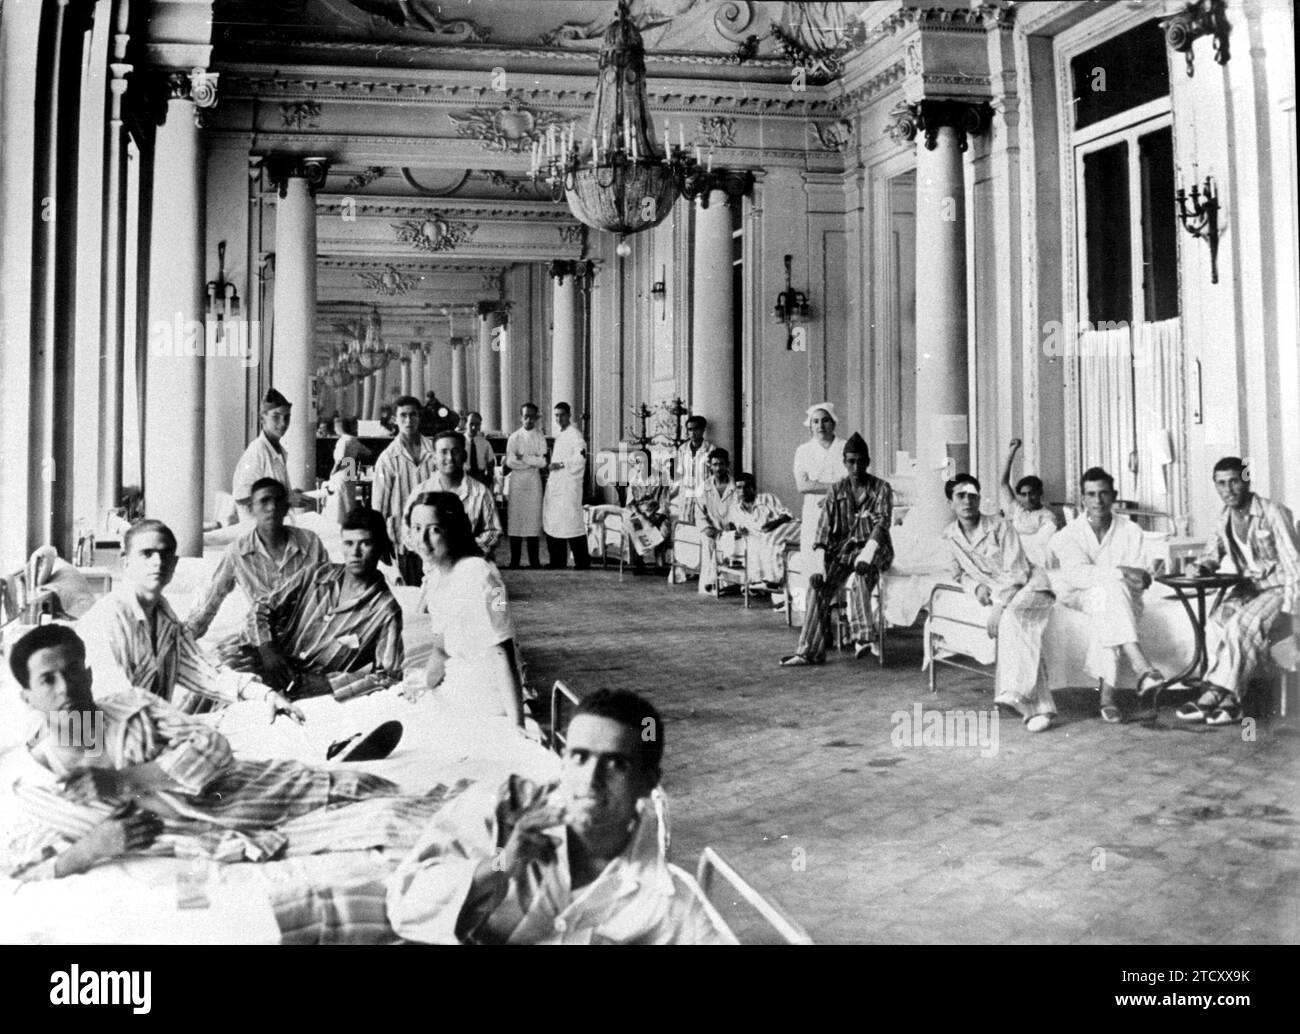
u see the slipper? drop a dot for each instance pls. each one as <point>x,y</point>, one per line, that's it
<point>794,660</point>
<point>1038,723</point>
<point>1228,714</point>
<point>1111,715</point>
<point>376,746</point>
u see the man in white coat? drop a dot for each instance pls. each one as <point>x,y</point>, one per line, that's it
<point>526,458</point>
<point>562,508</point>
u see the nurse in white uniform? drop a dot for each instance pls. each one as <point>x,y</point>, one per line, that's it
<point>818,464</point>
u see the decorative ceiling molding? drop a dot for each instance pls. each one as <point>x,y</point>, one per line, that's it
<point>422,16</point>
<point>577,99</point>
<point>833,136</point>
<point>718,130</point>
<point>434,232</point>
<point>466,208</point>
<point>402,53</point>
<point>573,34</point>
<point>859,96</point>
<point>414,266</point>
<point>424,191</point>
<point>512,127</point>
<point>390,281</point>
<point>300,114</point>
<point>949,19</point>
<point>364,179</point>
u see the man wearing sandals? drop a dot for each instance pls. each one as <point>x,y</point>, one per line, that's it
<point>1260,538</point>
<point>1102,573</point>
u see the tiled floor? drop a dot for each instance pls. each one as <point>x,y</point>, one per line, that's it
<point>1089,833</point>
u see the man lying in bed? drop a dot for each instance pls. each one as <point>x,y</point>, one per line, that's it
<point>130,773</point>
<point>580,861</point>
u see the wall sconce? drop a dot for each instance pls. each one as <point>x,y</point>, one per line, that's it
<point>659,291</point>
<point>791,307</point>
<point>223,298</point>
<point>1198,18</point>
<point>1201,220</point>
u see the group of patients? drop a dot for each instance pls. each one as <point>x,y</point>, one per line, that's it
<point>1017,565</point>
<point>584,858</point>
<point>579,860</point>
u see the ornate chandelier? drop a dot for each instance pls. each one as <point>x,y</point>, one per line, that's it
<point>616,180</point>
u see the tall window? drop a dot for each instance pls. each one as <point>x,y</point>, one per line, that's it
<point>1128,347</point>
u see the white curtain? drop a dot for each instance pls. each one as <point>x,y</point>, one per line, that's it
<point>1129,394</point>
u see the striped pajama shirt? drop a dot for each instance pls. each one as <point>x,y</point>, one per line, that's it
<point>1237,631</point>
<point>349,643</point>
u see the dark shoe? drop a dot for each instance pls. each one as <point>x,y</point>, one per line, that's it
<point>1227,713</point>
<point>381,742</point>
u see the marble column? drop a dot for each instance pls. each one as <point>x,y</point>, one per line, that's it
<point>459,401</point>
<point>489,367</point>
<point>942,361</point>
<point>713,366</point>
<point>506,400</point>
<point>405,366</point>
<point>564,342</point>
<point>419,374</point>
<point>175,372</point>
<point>113,289</point>
<point>297,180</point>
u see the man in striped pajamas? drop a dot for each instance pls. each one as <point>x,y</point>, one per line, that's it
<point>135,640</point>
<point>854,533</point>
<point>260,560</point>
<point>1260,538</point>
<point>404,464</point>
<point>132,774</point>
<point>333,629</point>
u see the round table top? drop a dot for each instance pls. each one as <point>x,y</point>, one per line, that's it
<point>1200,581</point>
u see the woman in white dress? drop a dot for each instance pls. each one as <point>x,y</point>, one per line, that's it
<point>473,667</point>
<point>818,464</point>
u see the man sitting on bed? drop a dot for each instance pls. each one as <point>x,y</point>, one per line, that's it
<point>332,629</point>
<point>261,559</point>
<point>134,639</point>
<point>579,861</point>
<point>128,772</point>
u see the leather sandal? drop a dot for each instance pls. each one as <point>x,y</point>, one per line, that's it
<point>375,746</point>
<point>1111,715</point>
<point>1150,685</point>
<point>1206,704</point>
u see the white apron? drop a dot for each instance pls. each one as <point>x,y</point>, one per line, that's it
<point>526,455</point>
<point>562,506</point>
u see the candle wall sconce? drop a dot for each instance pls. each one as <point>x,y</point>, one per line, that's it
<point>1197,19</point>
<point>1199,215</point>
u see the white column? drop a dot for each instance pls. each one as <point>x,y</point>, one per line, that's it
<point>174,373</point>
<point>505,358</point>
<point>419,368</point>
<point>713,368</point>
<point>564,345</point>
<point>489,373</point>
<point>458,373</point>
<point>941,359</point>
<point>295,307</point>
<point>19,49</point>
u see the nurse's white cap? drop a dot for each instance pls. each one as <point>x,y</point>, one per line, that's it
<point>830,409</point>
